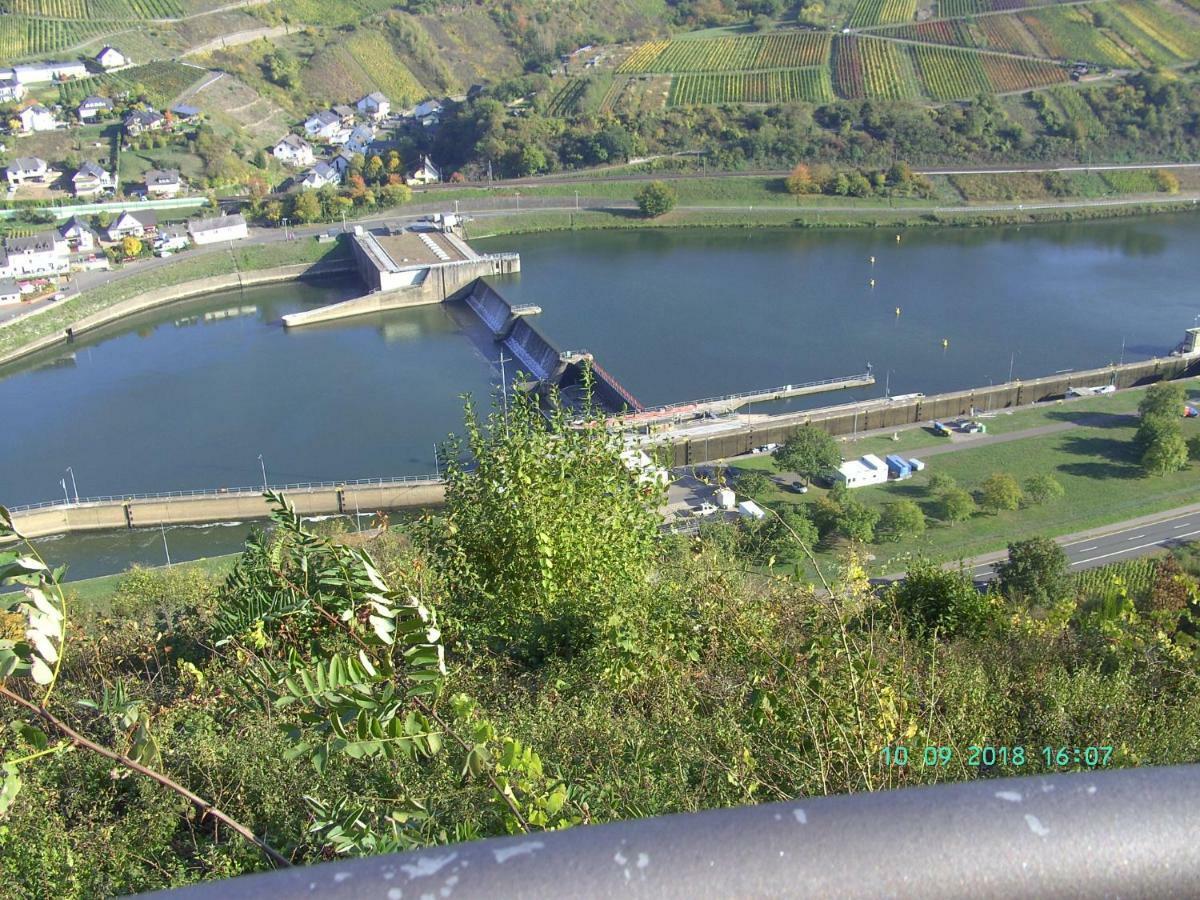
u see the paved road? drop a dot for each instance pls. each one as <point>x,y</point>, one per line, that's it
<point>1113,543</point>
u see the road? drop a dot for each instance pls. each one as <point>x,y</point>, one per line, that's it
<point>1112,543</point>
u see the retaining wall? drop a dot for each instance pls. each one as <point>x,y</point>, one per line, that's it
<point>874,414</point>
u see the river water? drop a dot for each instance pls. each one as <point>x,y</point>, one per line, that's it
<point>191,396</point>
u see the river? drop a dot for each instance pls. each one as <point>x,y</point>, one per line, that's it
<point>191,396</point>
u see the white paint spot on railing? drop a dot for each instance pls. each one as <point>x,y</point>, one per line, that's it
<point>1036,826</point>
<point>1010,796</point>
<point>800,815</point>
<point>507,853</point>
<point>427,865</point>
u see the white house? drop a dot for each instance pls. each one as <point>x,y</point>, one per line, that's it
<point>215,230</point>
<point>426,173</point>
<point>137,223</point>
<point>111,58</point>
<point>45,253</point>
<point>862,472</point>
<point>78,235</point>
<point>163,182</point>
<point>91,180</point>
<point>35,73</point>
<point>94,106</point>
<point>10,291</point>
<point>293,150</point>
<point>26,168</point>
<point>375,105</point>
<point>320,175</point>
<point>140,120</point>
<point>324,124</point>
<point>37,118</point>
<point>172,239</point>
<point>11,90</point>
<point>430,109</point>
<point>360,138</point>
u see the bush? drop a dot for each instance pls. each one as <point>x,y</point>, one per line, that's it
<point>956,505</point>
<point>752,483</point>
<point>656,199</point>
<point>1000,491</point>
<point>1035,572</point>
<point>930,597</point>
<point>1043,488</point>
<point>940,482</point>
<point>900,519</point>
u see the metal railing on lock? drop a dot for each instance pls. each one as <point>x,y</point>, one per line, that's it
<point>226,492</point>
<point>1124,833</point>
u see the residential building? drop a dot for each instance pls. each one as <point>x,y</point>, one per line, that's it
<point>215,230</point>
<point>293,150</point>
<point>91,180</point>
<point>163,183</point>
<point>27,168</point>
<point>184,112</point>
<point>37,118</point>
<point>142,120</point>
<point>137,223</point>
<point>45,253</point>
<point>345,113</point>
<point>10,291</point>
<point>320,175</point>
<point>341,162</point>
<point>324,124</point>
<point>36,73</point>
<point>11,90</point>
<point>94,106</point>
<point>78,235</point>
<point>426,173</point>
<point>111,58</point>
<point>360,138</point>
<point>172,239</point>
<point>374,105</point>
<point>429,109</point>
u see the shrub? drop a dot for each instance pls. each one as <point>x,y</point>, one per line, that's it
<point>655,199</point>
<point>956,505</point>
<point>1000,491</point>
<point>900,519</point>
<point>1043,488</point>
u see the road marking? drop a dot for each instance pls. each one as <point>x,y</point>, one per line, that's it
<point>1182,525</point>
<point>1138,537</point>
<point>1086,549</point>
<point>1158,543</point>
<point>1131,528</point>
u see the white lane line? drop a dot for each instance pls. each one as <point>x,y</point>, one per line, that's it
<point>1138,537</point>
<point>1158,543</point>
<point>1182,525</point>
<point>1130,528</point>
<point>1086,549</point>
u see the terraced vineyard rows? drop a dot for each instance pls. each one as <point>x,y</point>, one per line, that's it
<point>21,37</point>
<point>953,32</point>
<point>1164,39</point>
<point>950,74</point>
<point>887,71</point>
<point>848,67</point>
<point>809,84</point>
<point>882,12</point>
<point>163,80</point>
<point>378,59</point>
<point>1007,73</point>
<point>91,10</point>
<point>784,50</point>
<point>1070,33</point>
<point>566,98</point>
<point>1076,109</point>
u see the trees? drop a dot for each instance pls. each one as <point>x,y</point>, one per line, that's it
<point>956,505</point>
<point>1166,453</point>
<point>1159,437</point>
<point>800,181</point>
<point>780,536</point>
<point>1000,491</point>
<point>131,246</point>
<point>752,483</point>
<point>930,597</point>
<point>1164,398</point>
<point>857,521</point>
<point>1035,572</point>
<point>900,519</point>
<point>1043,488</point>
<point>282,68</point>
<point>306,207</point>
<point>809,452</point>
<point>655,199</point>
<point>940,482</point>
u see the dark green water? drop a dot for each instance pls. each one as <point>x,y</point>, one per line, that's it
<point>177,401</point>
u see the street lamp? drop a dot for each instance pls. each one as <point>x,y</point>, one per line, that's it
<point>264,471</point>
<point>74,487</point>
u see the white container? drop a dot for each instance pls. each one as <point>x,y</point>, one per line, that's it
<point>748,509</point>
<point>726,498</point>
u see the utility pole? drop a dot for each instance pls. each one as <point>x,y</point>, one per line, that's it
<point>437,469</point>
<point>66,497</point>
<point>74,487</point>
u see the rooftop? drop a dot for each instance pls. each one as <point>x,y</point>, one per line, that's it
<point>410,248</point>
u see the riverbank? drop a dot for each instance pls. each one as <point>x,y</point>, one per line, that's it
<point>195,274</point>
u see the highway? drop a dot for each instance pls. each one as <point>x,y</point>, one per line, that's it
<point>1113,543</point>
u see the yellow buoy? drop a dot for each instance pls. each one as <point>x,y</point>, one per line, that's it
<point>897,310</point>
<point>872,260</point>
<point>897,239</point>
<point>872,282</point>
<point>945,342</point>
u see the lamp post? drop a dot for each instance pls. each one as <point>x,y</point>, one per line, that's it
<point>66,497</point>
<point>264,471</point>
<point>166,549</point>
<point>74,487</point>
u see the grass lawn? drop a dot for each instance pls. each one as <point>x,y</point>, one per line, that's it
<point>95,592</point>
<point>1094,460</point>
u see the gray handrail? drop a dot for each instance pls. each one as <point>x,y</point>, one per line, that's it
<point>1129,833</point>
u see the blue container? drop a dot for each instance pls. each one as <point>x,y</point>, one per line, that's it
<point>898,467</point>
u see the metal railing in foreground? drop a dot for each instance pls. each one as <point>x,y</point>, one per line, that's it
<point>1129,833</point>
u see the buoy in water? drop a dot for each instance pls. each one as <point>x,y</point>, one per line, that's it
<point>872,260</point>
<point>872,282</point>
<point>897,239</point>
<point>897,310</point>
<point>945,343</point>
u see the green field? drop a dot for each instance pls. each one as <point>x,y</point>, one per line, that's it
<point>1069,32</point>
<point>1094,460</point>
<point>162,81</point>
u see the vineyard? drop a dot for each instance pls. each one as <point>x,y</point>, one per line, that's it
<point>1160,37</point>
<point>811,84</point>
<point>848,67</point>
<point>1108,585</point>
<point>1008,73</point>
<point>954,32</point>
<point>951,74</point>
<point>882,12</point>
<point>1076,109</point>
<point>371,50</point>
<point>115,10</point>
<point>22,37</point>
<point>887,71</point>
<point>566,98</point>
<point>161,81</point>
<point>785,50</point>
<point>1070,33</point>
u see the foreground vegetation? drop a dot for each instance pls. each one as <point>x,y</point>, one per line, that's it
<point>537,656</point>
